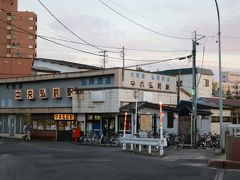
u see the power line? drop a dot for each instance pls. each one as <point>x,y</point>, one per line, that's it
<point>54,42</point>
<point>140,25</point>
<point>161,61</point>
<point>67,27</point>
<point>146,18</point>
<point>85,44</point>
<point>87,52</point>
<point>111,47</point>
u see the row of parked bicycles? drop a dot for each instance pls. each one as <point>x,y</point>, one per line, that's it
<point>205,141</point>
<point>93,139</point>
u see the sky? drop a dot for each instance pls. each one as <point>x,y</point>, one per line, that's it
<point>148,30</point>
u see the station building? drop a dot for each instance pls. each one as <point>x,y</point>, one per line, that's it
<point>93,100</point>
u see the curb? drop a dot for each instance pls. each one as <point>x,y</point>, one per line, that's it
<point>224,164</point>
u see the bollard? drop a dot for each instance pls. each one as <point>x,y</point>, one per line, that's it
<point>149,149</point>
<point>131,147</point>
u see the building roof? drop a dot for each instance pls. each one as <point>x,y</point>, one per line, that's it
<point>186,71</point>
<point>234,103</point>
<point>67,63</point>
<point>130,107</point>
<point>44,69</point>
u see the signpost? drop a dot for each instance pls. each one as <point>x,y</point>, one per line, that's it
<point>125,124</point>
<point>161,129</point>
<point>124,129</point>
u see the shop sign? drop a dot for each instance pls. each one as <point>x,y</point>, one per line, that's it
<point>64,117</point>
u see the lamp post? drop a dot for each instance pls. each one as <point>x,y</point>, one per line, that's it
<point>220,81</point>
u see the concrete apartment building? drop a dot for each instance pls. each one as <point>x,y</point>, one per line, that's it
<point>17,40</point>
<point>231,82</point>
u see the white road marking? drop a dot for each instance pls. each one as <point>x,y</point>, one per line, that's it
<point>219,175</point>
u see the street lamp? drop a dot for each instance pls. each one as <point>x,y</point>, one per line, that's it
<point>220,81</point>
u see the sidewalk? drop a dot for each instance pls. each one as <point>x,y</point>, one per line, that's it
<point>193,154</point>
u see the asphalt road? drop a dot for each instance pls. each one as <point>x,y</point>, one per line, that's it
<point>38,160</point>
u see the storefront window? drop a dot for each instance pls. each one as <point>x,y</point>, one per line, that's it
<point>44,125</point>
<point>121,123</point>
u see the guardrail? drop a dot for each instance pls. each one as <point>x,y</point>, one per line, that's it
<point>144,141</point>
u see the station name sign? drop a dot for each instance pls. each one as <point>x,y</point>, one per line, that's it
<point>64,117</point>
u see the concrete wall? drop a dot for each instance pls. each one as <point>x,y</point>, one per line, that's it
<point>202,90</point>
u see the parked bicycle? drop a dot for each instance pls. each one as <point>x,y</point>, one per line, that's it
<point>173,141</point>
<point>209,141</point>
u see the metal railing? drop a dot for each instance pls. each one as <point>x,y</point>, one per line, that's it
<point>143,142</point>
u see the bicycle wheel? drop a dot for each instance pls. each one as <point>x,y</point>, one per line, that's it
<point>180,142</point>
<point>169,145</point>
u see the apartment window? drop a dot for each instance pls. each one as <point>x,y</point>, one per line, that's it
<point>30,37</point>
<point>31,18</point>
<point>153,77</point>
<point>30,28</point>
<point>132,74</point>
<point>69,92</point>
<point>163,78</point>
<point>10,27</point>
<point>168,79</point>
<point>158,78</point>
<point>143,76</point>
<point>30,46</point>
<point>9,46</point>
<point>56,93</point>
<point>30,56</point>
<point>137,75</point>
<point>9,55</point>
<point>9,18</point>
<point>206,82</point>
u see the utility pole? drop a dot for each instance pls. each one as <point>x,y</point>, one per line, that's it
<point>194,91</point>
<point>178,89</point>
<point>123,56</point>
<point>194,94</point>
<point>104,58</point>
<point>222,143</point>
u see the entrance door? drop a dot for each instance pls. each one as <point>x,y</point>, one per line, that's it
<point>108,124</point>
<point>64,129</point>
<point>11,120</point>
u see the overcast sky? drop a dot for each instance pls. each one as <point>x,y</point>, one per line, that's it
<point>97,24</point>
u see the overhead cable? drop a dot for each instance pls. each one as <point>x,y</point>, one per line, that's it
<point>67,27</point>
<point>87,52</point>
<point>161,61</point>
<point>146,18</point>
<point>111,47</point>
<point>142,26</point>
